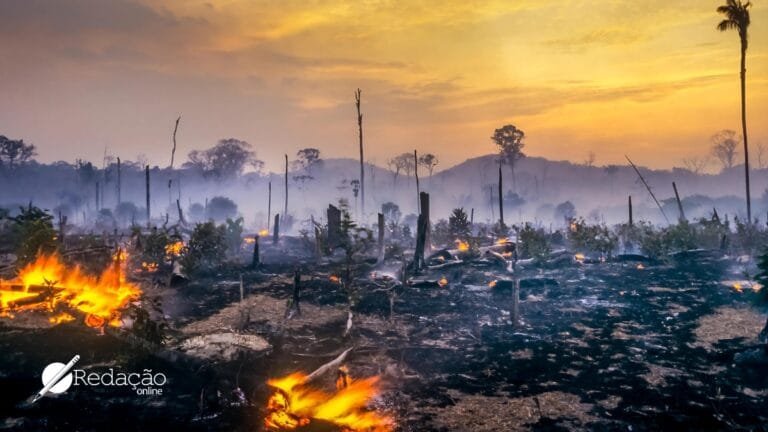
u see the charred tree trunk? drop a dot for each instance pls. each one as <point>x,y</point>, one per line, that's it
<point>360,135</point>
<point>62,227</point>
<point>333,215</point>
<point>276,234</point>
<point>269,205</point>
<point>146,181</point>
<point>416,175</point>
<point>471,217</point>
<point>256,261</point>
<point>119,183</point>
<point>648,188</point>
<point>381,237</point>
<point>181,213</point>
<point>501,200</point>
<point>285,208</point>
<point>679,203</point>
<point>293,308</point>
<point>629,205</point>
<point>421,231</point>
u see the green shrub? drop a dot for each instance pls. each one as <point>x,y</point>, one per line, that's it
<point>33,233</point>
<point>592,238</point>
<point>533,242</point>
<point>206,249</point>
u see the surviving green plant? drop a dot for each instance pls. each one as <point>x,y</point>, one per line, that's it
<point>762,278</point>
<point>33,234</point>
<point>533,242</point>
<point>458,224</point>
<point>206,249</point>
<point>234,234</point>
<point>592,238</point>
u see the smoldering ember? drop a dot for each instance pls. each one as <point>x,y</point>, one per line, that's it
<point>392,242</point>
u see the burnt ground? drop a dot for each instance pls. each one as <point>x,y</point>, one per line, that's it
<point>600,347</point>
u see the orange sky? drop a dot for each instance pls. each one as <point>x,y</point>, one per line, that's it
<point>651,78</point>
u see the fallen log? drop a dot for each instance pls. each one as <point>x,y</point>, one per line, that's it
<point>333,364</point>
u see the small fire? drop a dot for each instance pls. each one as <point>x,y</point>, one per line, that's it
<point>48,282</point>
<point>174,249</point>
<point>491,284</point>
<point>579,257</point>
<point>737,286</point>
<point>335,279</point>
<point>148,267</point>
<point>264,233</point>
<point>249,240</point>
<point>640,266</point>
<point>502,241</point>
<point>443,282</point>
<point>294,404</point>
<point>461,245</point>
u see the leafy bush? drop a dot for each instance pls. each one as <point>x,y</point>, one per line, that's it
<point>534,242</point>
<point>221,208</point>
<point>592,238</point>
<point>33,233</point>
<point>206,249</point>
<point>458,224</point>
<point>762,277</point>
<point>234,234</point>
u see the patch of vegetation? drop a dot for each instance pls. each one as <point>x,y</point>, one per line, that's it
<point>32,233</point>
<point>206,249</point>
<point>592,238</point>
<point>534,242</point>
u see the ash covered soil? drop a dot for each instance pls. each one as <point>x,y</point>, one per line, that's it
<point>599,347</point>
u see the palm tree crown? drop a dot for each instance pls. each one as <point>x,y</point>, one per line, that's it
<point>737,17</point>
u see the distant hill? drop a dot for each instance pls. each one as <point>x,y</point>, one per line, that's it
<point>598,193</point>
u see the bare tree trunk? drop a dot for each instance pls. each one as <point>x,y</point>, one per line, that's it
<point>360,135</point>
<point>421,231</point>
<point>269,206</point>
<point>256,261</point>
<point>98,206</point>
<point>679,203</point>
<point>416,174</point>
<point>629,202</point>
<point>119,183</point>
<point>744,126</point>
<point>381,237</point>
<point>501,200</point>
<point>648,187</point>
<point>146,181</point>
<point>181,214</point>
<point>276,234</point>
<point>285,209</point>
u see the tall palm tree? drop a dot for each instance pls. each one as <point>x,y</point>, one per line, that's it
<point>737,17</point>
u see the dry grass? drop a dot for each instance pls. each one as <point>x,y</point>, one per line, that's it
<point>490,413</point>
<point>728,323</point>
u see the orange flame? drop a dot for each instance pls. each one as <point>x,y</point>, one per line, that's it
<point>461,245</point>
<point>295,404</point>
<point>443,282</point>
<point>174,249</point>
<point>264,233</point>
<point>335,279</point>
<point>99,298</point>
